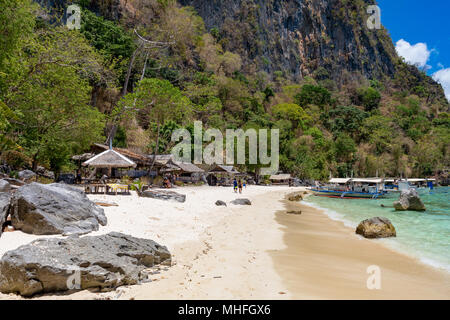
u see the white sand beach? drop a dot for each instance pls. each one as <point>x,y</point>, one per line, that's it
<point>251,252</point>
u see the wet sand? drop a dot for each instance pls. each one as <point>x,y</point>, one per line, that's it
<point>324,259</point>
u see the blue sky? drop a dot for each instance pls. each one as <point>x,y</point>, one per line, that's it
<point>421,30</point>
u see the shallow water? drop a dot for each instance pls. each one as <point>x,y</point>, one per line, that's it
<point>425,235</point>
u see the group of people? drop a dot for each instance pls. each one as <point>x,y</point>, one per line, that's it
<point>238,185</point>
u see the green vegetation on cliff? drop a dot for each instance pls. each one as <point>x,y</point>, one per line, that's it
<point>61,90</point>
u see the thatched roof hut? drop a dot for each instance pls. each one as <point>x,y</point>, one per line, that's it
<point>282,178</point>
<point>187,167</point>
<point>110,159</point>
<point>224,169</point>
<point>140,160</point>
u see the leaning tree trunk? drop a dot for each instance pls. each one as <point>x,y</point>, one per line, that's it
<point>156,148</point>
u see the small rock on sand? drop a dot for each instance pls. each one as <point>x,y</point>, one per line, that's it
<point>221,203</point>
<point>242,202</point>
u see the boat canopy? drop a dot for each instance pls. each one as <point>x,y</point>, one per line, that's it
<point>417,180</point>
<point>340,180</point>
<point>368,180</point>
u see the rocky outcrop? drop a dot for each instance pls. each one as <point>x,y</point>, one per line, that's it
<point>376,228</point>
<point>54,209</point>
<point>221,203</point>
<point>242,202</point>
<point>26,175</point>
<point>5,199</point>
<point>409,200</point>
<point>77,263</point>
<point>300,37</point>
<point>163,195</point>
<point>4,186</point>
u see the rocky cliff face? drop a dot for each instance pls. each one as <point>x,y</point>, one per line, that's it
<point>298,37</point>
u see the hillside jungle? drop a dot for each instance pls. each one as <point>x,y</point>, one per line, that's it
<point>62,90</point>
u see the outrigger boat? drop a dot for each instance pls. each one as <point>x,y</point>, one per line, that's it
<point>351,188</point>
<point>398,185</point>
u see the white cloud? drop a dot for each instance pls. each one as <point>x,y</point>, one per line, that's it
<point>417,54</point>
<point>443,77</point>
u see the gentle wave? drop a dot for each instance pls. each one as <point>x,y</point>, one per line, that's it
<point>423,236</point>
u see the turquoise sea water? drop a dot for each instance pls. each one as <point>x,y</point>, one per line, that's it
<point>424,235</point>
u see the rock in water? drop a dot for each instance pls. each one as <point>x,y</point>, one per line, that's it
<point>376,228</point>
<point>242,202</point>
<point>163,195</point>
<point>5,199</point>
<point>220,203</point>
<point>295,196</point>
<point>104,262</point>
<point>409,200</point>
<point>54,209</point>
<point>4,186</point>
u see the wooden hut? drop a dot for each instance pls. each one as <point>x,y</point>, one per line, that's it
<point>221,175</point>
<point>281,179</point>
<point>109,160</point>
<point>186,172</point>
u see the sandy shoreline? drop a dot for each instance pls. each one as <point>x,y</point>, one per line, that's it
<point>325,259</point>
<point>253,252</point>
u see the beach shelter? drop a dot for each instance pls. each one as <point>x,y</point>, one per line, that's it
<point>280,179</point>
<point>109,159</point>
<point>221,173</point>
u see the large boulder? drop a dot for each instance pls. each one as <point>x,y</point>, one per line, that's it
<point>26,175</point>
<point>5,199</point>
<point>163,195</point>
<point>77,263</point>
<point>54,209</point>
<point>242,202</point>
<point>409,200</point>
<point>376,228</point>
<point>4,186</point>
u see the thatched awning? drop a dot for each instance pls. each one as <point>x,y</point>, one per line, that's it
<point>224,169</point>
<point>187,167</point>
<point>282,176</point>
<point>110,159</point>
<point>83,157</point>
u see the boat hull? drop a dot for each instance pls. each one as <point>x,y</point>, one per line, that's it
<point>346,194</point>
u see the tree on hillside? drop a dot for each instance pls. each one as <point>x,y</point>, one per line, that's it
<point>311,94</point>
<point>156,101</point>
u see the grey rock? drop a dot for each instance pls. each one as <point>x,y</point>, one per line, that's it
<point>409,200</point>
<point>376,228</point>
<point>54,209</point>
<point>77,263</point>
<point>220,203</point>
<point>14,182</point>
<point>45,173</point>
<point>163,195</point>
<point>242,202</point>
<point>4,186</point>
<point>26,175</point>
<point>5,199</point>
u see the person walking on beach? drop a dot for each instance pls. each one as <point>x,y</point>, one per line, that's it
<point>235,185</point>
<point>240,186</point>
